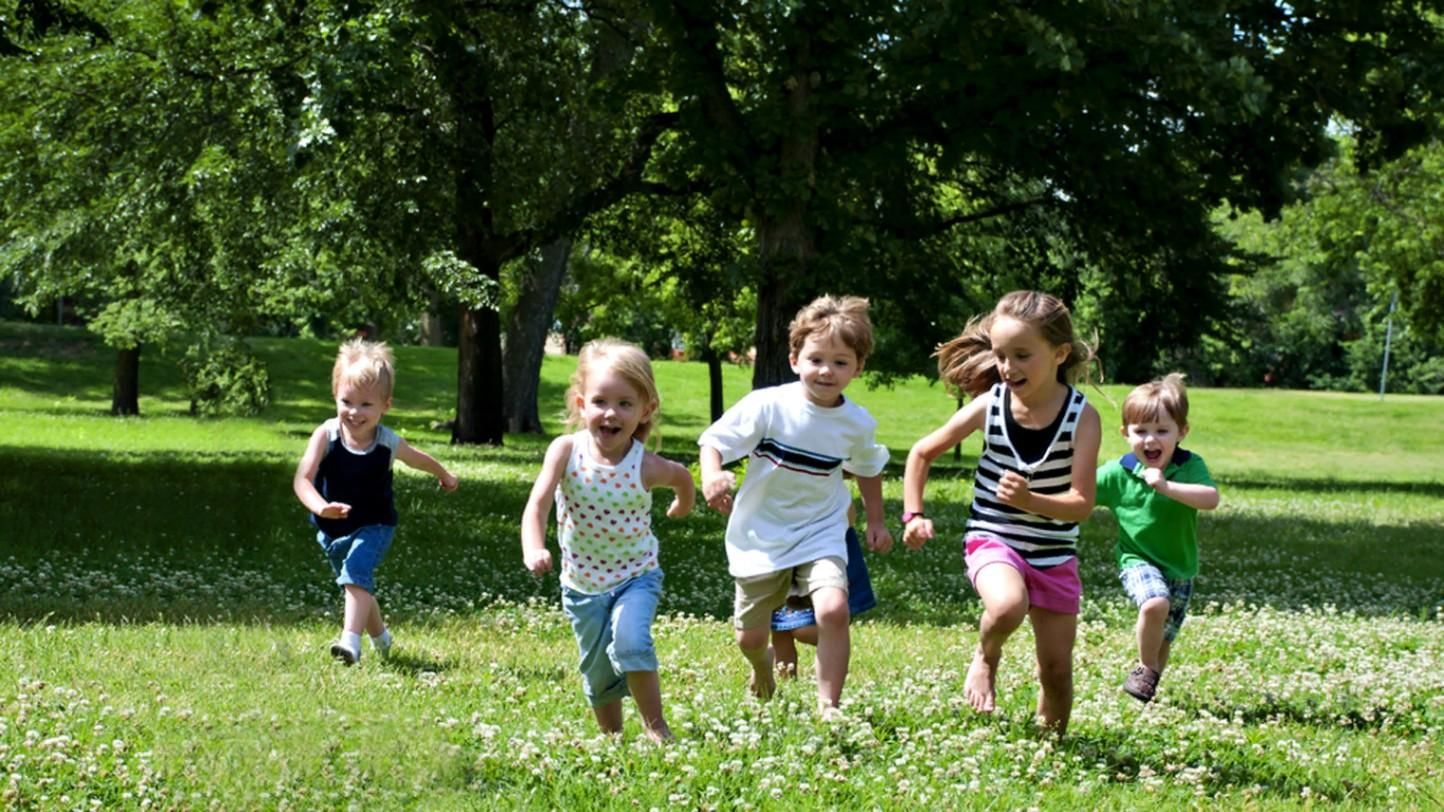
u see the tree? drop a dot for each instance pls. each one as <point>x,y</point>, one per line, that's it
<point>817,121</point>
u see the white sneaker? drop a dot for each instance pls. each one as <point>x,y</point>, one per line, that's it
<point>382,645</point>
<point>345,654</point>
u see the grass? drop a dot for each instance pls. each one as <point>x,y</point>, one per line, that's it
<point>164,617</point>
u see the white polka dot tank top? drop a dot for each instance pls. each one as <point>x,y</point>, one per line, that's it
<point>604,519</point>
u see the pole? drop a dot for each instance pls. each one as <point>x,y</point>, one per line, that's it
<point>1388,338</point>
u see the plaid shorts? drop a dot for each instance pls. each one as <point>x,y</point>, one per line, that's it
<point>1144,582</point>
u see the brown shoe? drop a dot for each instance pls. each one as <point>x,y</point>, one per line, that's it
<point>1142,683</point>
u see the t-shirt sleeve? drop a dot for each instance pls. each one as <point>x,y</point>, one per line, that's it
<point>1110,484</point>
<point>388,438</point>
<point>1194,472</point>
<point>868,457</point>
<point>739,429</point>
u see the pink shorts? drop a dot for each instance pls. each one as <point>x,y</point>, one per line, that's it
<point>1057,589</point>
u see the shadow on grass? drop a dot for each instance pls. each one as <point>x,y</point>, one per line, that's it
<point>414,663</point>
<point>1340,486</point>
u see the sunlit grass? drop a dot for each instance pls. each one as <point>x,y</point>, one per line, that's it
<point>166,615</point>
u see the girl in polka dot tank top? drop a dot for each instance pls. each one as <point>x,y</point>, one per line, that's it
<point>601,478</point>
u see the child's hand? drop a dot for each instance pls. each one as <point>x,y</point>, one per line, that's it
<point>879,538</point>
<point>917,533</point>
<point>1013,490</point>
<point>1153,477</point>
<point>718,492</point>
<point>680,507</point>
<point>335,510</point>
<point>448,481</point>
<point>538,560</point>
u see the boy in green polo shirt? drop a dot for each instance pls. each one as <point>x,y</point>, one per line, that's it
<point>1155,492</point>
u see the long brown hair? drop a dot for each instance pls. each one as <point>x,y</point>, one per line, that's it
<point>967,362</point>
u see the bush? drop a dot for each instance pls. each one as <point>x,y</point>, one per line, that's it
<point>225,379</point>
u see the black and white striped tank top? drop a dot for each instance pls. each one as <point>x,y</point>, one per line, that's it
<point>1041,541</point>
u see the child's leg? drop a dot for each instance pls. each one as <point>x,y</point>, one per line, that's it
<point>1005,604</point>
<point>360,609</point>
<point>808,634</point>
<point>784,651</point>
<point>646,690</point>
<point>834,644</point>
<point>632,652</point>
<point>1152,616</point>
<point>609,716</point>
<point>1054,634</point>
<point>753,645</point>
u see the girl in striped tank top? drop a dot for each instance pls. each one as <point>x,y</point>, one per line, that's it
<point>1033,485</point>
<point>601,478</point>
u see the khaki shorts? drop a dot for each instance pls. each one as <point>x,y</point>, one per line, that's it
<point>759,595</point>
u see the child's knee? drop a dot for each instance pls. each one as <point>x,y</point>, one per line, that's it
<point>753,639</point>
<point>829,606</point>
<point>1155,610</point>
<point>1055,673</point>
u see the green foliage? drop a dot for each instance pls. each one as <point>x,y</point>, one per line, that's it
<point>225,379</point>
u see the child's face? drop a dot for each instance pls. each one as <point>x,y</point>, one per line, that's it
<point>612,408</point>
<point>1027,363</point>
<point>1153,441</point>
<point>361,408</point>
<point>825,366</point>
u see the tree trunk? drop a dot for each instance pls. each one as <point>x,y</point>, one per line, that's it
<point>714,384</point>
<point>787,242</point>
<point>786,248</point>
<point>432,334</point>
<point>479,416</point>
<point>125,396</point>
<point>526,336</point>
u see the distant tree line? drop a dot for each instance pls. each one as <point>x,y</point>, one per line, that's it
<point>202,170</point>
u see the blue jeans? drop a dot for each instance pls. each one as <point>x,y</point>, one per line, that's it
<point>614,634</point>
<point>355,556</point>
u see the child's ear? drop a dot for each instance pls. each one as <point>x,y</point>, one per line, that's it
<point>1061,353</point>
<point>1123,431</point>
<point>1182,432</point>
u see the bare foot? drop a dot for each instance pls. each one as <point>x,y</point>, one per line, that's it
<point>661,734</point>
<point>762,684</point>
<point>830,714</point>
<point>978,686</point>
<point>786,670</point>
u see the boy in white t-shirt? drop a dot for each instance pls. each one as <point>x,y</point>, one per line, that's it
<point>788,527</point>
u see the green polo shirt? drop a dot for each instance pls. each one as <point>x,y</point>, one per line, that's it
<point>1152,528</point>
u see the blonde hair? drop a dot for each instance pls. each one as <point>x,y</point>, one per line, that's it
<point>364,363</point>
<point>627,360</point>
<point>967,362</point>
<point>1150,401</point>
<point>841,316</point>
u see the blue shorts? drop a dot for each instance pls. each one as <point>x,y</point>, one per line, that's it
<point>614,634</point>
<point>860,597</point>
<point>1144,582</point>
<point>355,556</point>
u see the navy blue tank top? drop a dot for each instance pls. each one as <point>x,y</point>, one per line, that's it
<point>361,479</point>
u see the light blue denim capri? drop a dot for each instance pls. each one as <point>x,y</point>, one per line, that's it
<point>614,634</point>
<point>355,556</point>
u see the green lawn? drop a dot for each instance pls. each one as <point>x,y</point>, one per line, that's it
<point>164,618</point>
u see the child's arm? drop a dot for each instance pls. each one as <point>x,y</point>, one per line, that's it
<point>1196,496</point>
<point>304,482</point>
<point>534,550</point>
<point>964,422</point>
<point>1076,503</point>
<point>717,484</point>
<point>422,461</point>
<point>658,471</point>
<point>879,538</point>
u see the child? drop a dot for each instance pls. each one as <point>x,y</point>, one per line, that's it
<point>796,622</point>
<point>787,532</point>
<point>602,477</point>
<point>344,479</point>
<point>1034,483</point>
<point>1156,492</point>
